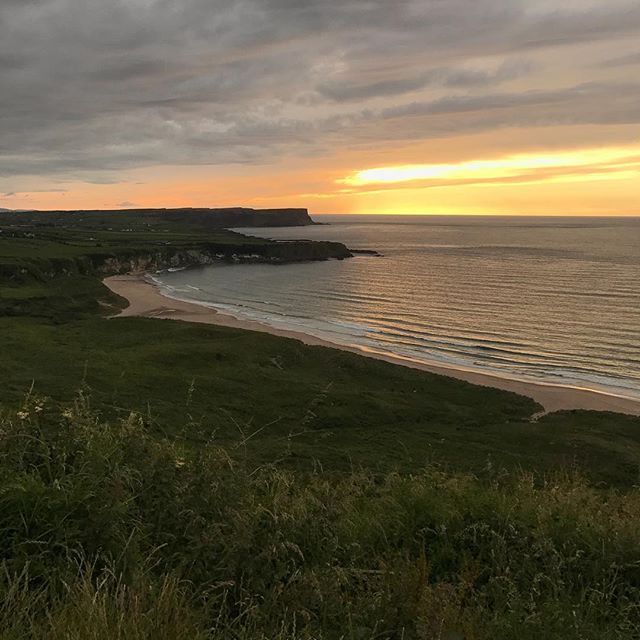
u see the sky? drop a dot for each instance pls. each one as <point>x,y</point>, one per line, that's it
<point>358,106</point>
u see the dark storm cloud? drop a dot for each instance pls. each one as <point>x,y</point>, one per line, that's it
<point>92,86</point>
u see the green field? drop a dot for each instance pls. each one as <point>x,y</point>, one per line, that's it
<point>160,479</point>
<point>195,382</point>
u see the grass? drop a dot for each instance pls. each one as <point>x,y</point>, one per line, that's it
<point>212,483</point>
<point>197,382</point>
<point>108,531</point>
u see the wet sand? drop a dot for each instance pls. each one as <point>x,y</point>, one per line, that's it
<point>146,300</point>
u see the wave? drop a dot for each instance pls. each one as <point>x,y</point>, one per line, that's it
<point>447,354</point>
<point>511,300</point>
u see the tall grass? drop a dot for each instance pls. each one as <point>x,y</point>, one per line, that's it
<point>109,532</point>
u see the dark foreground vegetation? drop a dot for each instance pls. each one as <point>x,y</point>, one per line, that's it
<point>207,482</point>
<point>108,532</point>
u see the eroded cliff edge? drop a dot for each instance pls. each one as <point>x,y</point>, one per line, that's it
<point>210,253</point>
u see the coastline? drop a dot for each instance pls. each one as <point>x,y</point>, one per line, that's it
<point>145,300</point>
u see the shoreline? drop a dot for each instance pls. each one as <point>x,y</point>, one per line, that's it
<point>145,300</point>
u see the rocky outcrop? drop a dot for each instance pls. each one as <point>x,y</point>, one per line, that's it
<point>271,253</point>
<point>167,256</point>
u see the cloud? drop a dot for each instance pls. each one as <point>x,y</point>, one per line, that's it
<point>621,61</point>
<point>579,104</point>
<point>92,89</point>
<point>349,89</point>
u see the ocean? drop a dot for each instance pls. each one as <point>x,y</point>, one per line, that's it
<point>554,300</point>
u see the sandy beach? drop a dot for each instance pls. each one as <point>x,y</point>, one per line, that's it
<point>146,300</point>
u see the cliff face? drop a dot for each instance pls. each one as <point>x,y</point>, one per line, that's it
<point>126,261</point>
<point>274,253</point>
<point>242,217</point>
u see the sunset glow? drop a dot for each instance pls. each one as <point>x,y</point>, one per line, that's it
<point>489,107</point>
<point>617,160</point>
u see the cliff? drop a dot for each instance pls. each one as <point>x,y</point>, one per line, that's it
<point>186,218</point>
<point>154,258</point>
<point>271,253</point>
<point>61,256</point>
<point>242,217</point>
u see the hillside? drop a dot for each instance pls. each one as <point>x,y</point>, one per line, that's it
<point>161,479</point>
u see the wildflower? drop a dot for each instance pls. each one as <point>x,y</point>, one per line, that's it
<point>23,415</point>
<point>179,462</point>
<point>67,413</point>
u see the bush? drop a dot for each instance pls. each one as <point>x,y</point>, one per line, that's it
<point>107,531</point>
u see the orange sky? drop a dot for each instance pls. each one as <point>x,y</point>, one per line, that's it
<point>490,107</point>
<point>574,181</point>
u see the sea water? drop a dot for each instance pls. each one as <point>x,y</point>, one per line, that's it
<point>553,300</point>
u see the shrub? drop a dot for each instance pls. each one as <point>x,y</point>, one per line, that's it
<point>107,531</point>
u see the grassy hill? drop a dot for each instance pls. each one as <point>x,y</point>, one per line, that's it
<point>160,479</point>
